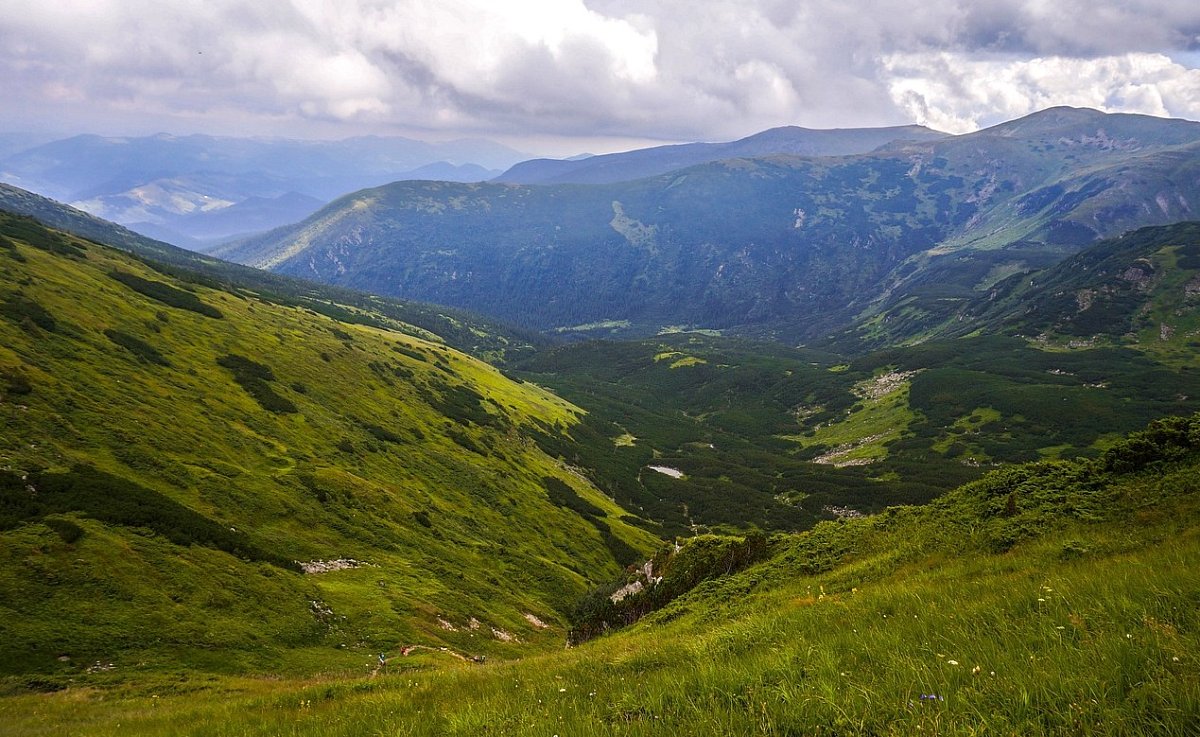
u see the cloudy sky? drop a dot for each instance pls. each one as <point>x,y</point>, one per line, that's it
<point>561,76</point>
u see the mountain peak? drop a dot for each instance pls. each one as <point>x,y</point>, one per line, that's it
<point>1063,119</point>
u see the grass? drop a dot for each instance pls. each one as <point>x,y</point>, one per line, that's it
<point>343,440</point>
<point>916,625</point>
<point>1057,598</point>
<point>863,434</point>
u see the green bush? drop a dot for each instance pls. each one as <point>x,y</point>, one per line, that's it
<point>680,571</point>
<point>27,229</point>
<point>11,249</point>
<point>118,501</point>
<point>16,382</point>
<point>166,294</point>
<point>381,433</point>
<point>66,529</point>
<point>27,313</point>
<point>137,347</point>
<point>253,377</point>
<point>564,496</point>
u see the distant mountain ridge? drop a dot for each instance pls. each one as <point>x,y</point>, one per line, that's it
<point>172,183</point>
<point>657,160</point>
<point>789,247</point>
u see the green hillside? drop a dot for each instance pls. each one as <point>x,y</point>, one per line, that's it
<point>1141,289</point>
<point>1049,599</point>
<point>475,334</point>
<point>171,453</point>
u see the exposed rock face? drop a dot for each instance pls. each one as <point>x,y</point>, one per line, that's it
<point>1140,273</point>
<point>326,566</point>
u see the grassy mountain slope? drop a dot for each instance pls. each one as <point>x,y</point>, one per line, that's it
<point>169,450</point>
<point>785,247</point>
<point>1057,598</point>
<point>475,334</point>
<point>1141,289</point>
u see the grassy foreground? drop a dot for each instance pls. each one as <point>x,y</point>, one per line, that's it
<point>1058,598</point>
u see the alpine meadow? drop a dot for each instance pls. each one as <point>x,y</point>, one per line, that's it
<point>850,388</point>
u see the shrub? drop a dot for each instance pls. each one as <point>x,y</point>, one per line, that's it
<point>11,249</point>
<point>66,529</point>
<point>410,352</point>
<point>118,501</point>
<point>563,495</point>
<point>35,234</point>
<point>699,559</point>
<point>27,313</point>
<point>166,294</point>
<point>381,433</point>
<point>465,441</point>
<point>16,382</point>
<point>253,377</point>
<point>137,347</point>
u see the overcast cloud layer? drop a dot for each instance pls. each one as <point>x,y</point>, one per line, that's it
<point>644,69</point>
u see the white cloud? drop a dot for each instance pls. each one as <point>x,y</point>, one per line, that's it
<point>646,68</point>
<point>955,93</point>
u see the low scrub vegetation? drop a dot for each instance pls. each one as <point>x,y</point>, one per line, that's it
<point>254,377</point>
<point>166,294</point>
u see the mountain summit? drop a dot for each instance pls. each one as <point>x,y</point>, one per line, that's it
<point>789,246</point>
<point>650,162</point>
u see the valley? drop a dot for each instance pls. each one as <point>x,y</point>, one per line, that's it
<point>882,436</point>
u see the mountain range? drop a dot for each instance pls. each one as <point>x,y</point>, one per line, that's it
<point>194,190</point>
<point>235,501</point>
<point>648,162</point>
<point>784,246</point>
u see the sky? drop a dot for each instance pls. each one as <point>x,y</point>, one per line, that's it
<point>565,76</point>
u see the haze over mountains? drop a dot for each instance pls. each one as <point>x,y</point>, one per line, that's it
<point>782,245</point>
<point>196,189</point>
<point>649,162</point>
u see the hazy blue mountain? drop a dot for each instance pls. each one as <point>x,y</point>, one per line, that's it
<point>446,172</point>
<point>14,142</point>
<point>251,215</point>
<point>649,162</point>
<point>786,246</point>
<point>170,184</point>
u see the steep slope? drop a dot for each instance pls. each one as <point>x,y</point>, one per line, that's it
<point>1141,289</point>
<point>785,247</point>
<point>468,332</point>
<point>171,453</point>
<point>650,162</point>
<point>1042,600</point>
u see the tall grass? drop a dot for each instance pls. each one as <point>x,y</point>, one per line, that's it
<point>1091,629</point>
